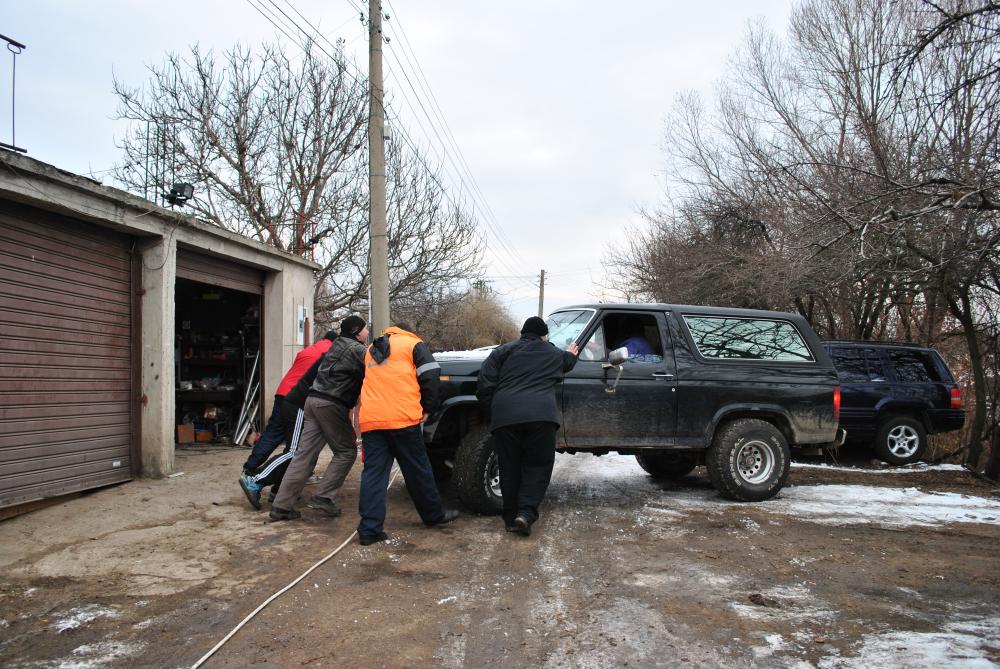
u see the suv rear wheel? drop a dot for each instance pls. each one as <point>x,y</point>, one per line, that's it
<point>667,465</point>
<point>476,475</point>
<point>900,440</point>
<point>748,460</point>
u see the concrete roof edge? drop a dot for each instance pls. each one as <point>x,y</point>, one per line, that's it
<point>25,166</point>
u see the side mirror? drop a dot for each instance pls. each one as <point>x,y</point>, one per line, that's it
<point>616,358</point>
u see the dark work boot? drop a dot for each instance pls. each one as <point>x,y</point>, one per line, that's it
<point>449,515</point>
<point>522,526</point>
<point>368,540</point>
<point>284,514</point>
<point>325,505</point>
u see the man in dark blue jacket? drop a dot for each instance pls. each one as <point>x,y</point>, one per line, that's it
<point>517,389</point>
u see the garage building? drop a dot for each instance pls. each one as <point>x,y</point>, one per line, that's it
<point>119,321</point>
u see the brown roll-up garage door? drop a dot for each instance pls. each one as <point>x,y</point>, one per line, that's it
<point>65,355</point>
<point>218,272</point>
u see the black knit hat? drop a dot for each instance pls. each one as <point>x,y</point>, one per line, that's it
<point>535,326</point>
<point>351,326</point>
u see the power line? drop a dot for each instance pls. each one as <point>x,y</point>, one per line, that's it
<point>291,24</point>
<point>419,74</point>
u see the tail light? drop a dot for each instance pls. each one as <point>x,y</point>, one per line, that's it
<point>836,402</point>
<point>956,398</point>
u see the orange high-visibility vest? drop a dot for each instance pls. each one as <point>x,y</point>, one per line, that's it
<point>390,395</point>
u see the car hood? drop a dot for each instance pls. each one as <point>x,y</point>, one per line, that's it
<point>461,363</point>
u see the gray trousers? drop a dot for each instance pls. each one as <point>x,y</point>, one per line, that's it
<point>325,422</point>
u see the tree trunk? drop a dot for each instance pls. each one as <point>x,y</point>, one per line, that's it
<point>963,312</point>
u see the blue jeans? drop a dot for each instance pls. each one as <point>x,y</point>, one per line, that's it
<point>405,446</point>
<point>270,438</point>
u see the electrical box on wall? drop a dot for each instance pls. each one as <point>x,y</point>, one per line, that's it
<point>301,325</point>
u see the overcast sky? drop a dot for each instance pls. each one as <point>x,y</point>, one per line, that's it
<point>557,107</point>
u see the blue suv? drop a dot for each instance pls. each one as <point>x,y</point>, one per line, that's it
<point>893,395</point>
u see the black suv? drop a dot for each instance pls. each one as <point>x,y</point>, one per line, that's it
<point>676,386</point>
<point>894,395</point>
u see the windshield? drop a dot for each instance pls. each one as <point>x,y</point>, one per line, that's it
<point>565,326</point>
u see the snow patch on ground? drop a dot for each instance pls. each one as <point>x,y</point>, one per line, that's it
<point>83,615</point>
<point>92,655</point>
<point>794,602</point>
<point>905,469</point>
<point>853,504</point>
<point>964,645</point>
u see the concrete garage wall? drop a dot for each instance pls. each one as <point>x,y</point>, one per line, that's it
<point>157,232</point>
<point>159,267</point>
<point>284,295</point>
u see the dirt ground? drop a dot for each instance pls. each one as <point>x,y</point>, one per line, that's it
<point>847,568</point>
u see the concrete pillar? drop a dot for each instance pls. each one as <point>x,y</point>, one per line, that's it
<point>159,273</point>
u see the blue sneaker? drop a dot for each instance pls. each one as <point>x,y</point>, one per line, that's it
<point>252,490</point>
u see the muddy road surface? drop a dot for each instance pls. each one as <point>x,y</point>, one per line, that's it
<point>846,568</point>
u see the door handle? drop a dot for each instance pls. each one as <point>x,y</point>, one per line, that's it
<point>662,375</point>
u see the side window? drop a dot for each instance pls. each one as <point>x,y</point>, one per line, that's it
<point>850,364</point>
<point>637,332</point>
<point>595,348</point>
<point>747,339</point>
<point>912,366</point>
<point>876,370</point>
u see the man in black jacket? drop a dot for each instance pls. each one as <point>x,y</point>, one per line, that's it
<point>517,388</point>
<point>334,393</point>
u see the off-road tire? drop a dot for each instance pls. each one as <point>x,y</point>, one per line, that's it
<point>475,466</point>
<point>748,460</point>
<point>666,465</point>
<point>903,434</point>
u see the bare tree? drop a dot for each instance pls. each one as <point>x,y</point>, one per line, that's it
<point>275,147</point>
<point>829,179</point>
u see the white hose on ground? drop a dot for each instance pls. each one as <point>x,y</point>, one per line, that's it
<point>279,593</point>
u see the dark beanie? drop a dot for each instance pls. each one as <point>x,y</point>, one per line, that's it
<point>351,326</point>
<point>331,335</point>
<point>535,326</point>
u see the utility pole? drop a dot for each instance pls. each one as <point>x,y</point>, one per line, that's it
<point>541,294</point>
<point>378,261</point>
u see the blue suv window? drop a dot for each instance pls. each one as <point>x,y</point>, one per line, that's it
<point>913,366</point>
<point>747,339</point>
<point>855,365</point>
<point>851,365</point>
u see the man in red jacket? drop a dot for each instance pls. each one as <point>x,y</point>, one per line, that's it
<point>274,433</point>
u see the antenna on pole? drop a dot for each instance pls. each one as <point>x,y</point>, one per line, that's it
<point>15,49</point>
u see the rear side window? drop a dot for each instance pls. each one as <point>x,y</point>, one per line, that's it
<point>747,339</point>
<point>855,365</point>
<point>850,364</point>
<point>913,366</point>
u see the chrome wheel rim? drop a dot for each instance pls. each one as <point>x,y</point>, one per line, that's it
<point>755,461</point>
<point>903,441</point>
<point>493,475</point>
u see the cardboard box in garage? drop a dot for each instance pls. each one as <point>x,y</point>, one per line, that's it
<point>185,434</point>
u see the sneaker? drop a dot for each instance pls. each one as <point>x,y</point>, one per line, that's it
<point>522,526</point>
<point>368,540</point>
<point>324,504</point>
<point>284,514</point>
<point>314,478</point>
<point>251,490</point>
<point>449,515</point>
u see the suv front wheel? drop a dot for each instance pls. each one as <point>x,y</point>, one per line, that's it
<point>476,476</point>
<point>900,440</point>
<point>748,460</point>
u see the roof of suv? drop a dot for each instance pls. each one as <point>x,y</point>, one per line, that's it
<point>685,308</point>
